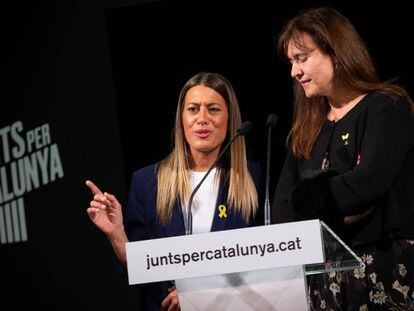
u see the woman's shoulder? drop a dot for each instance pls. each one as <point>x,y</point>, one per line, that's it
<point>146,172</point>
<point>391,112</point>
<point>144,179</point>
<point>254,167</point>
<point>378,100</point>
<point>255,170</point>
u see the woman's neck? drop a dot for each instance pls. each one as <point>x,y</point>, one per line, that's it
<point>341,103</point>
<point>202,161</point>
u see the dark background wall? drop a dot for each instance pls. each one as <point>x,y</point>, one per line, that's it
<point>156,47</point>
<point>105,77</point>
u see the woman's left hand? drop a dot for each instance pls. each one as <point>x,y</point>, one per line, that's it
<point>350,219</point>
<point>171,302</point>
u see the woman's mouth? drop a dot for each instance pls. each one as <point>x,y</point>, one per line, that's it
<point>202,133</point>
<point>304,82</point>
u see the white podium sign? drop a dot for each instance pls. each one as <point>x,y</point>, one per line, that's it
<point>230,251</point>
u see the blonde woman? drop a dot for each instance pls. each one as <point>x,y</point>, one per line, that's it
<point>207,117</point>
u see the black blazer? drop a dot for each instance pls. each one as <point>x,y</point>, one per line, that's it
<point>141,224</point>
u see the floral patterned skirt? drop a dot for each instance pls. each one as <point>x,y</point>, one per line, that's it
<point>386,282</point>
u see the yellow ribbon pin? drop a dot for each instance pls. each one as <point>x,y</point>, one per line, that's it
<point>345,137</point>
<point>222,209</point>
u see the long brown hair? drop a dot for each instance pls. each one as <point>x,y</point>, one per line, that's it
<point>335,36</point>
<point>173,177</point>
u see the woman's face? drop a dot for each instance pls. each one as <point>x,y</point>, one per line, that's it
<point>311,68</point>
<point>205,119</point>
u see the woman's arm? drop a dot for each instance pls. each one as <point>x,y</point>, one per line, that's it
<point>106,213</point>
<point>282,210</point>
<point>387,138</point>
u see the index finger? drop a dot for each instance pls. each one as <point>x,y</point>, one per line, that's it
<point>166,302</point>
<point>93,187</point>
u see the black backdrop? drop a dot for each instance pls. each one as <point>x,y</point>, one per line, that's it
<point>156,47</point>
<point>105,77</point>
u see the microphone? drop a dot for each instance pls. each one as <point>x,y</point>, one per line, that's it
<point>270,123</point>
<point>271,120</point>
<point>242,130</point>
<point>245,128</point>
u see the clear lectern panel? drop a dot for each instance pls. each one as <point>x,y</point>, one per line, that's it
<point>266,289</point>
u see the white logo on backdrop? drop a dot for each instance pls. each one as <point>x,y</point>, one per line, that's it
<point>28,160</point>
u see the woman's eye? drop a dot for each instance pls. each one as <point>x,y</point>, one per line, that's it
<point>303,59</point>
<point>192,109</point>
<point>214,109</point>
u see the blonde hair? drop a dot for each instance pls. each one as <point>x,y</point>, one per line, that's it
<point>173,171</point>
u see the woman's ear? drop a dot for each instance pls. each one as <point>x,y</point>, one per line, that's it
<point>335,62</point>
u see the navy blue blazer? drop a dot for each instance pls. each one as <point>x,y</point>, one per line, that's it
<point>141,223</point>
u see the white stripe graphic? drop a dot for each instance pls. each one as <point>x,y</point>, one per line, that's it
<point>22,218</point>
<point>16,230</point>
<point>3,238</point>
<point>8,223</point>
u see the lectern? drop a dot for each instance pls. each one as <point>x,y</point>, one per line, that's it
<point>259,268</point>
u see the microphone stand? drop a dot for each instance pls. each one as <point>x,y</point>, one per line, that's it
<point>189,228</point>
<point>244,128</point>
<point>271,122</point>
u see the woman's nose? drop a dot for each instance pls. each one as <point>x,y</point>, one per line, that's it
<point>202,117</point>
<point>296,72</point>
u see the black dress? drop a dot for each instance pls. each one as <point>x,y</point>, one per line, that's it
<point>361,163</point>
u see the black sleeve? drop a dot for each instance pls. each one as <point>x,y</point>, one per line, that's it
<point>134,213</point>
<point>282,208</point>
<point>135,222</point>
<point>385,142</point>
